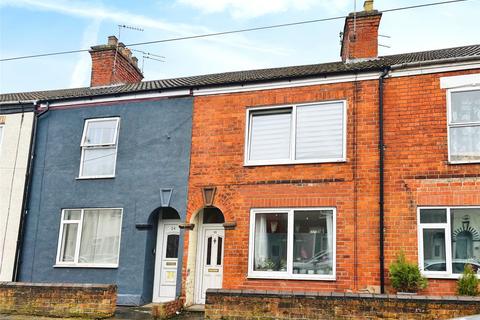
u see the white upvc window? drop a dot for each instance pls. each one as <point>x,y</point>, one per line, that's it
<point>463,106</point>
<point>292,243</point>
<point>448,239</point>
<point>298,133</point>
<point>89,238</point>
<point>99,148</point>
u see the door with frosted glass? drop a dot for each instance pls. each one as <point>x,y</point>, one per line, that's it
<point>212,262</point>
<point>166,261</point>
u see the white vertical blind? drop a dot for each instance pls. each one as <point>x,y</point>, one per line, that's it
<point>270,135</point>
<point>320,131</point>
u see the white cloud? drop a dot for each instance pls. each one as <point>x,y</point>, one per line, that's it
<point>81,71</point>
<point>244,9</point>
<point>90,10</point>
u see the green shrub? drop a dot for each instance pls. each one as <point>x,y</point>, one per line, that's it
<point>467,285</point>
<point>406,276</point>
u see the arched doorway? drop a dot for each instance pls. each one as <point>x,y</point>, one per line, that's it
<point>464,245</point>
<point>210,243</point>
<point>166,255</point>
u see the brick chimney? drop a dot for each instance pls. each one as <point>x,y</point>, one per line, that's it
<point>360,39</point>
<point>112,63</point>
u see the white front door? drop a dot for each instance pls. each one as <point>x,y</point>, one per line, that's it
<point>166,261</point>
<point>210,273</point>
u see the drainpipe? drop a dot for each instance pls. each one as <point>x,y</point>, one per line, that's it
<point>26,190</point>
<point>381,148</point>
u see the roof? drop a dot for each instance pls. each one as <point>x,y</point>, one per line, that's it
<point>250,76</point>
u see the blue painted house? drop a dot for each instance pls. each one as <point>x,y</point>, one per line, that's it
<point>109,189</point>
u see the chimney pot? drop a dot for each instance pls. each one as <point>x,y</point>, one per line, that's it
<point>128,53</point>
<point>135,61</point>
<point>368,5</point>
<point>112,41</point>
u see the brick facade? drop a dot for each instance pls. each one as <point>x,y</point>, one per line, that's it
<point>352,187</point>
<point>416,174</point>
<point>225,304</point>
<point>58,300</point>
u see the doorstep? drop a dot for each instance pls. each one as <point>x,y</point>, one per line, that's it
<point>195,308</point>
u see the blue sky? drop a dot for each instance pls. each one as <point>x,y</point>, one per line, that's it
<point>38,26</point>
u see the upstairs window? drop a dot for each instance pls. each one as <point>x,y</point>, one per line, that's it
<point>305,133</point>
<point>464,125</point>
<point>99,148</point>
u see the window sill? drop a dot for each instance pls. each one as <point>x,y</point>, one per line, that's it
<point>291,162</point>
<point>464,162</point>
<point>443,276</point>
<point>95,178</point>
<point>295,277</point>
<point>87,265</point>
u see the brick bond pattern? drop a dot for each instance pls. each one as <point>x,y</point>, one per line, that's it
<point>58,300</point>
<point>236,304</point>
<point>417,173</point>
<point>103,66</point>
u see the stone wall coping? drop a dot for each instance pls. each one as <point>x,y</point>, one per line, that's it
<point>341,295</point>
<point>58,285</point>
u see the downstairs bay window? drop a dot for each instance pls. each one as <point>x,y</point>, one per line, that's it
<point>292,243</point>
<point>89,238</point>
<point>449,238</point>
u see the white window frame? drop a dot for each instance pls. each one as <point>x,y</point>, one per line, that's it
<point>448,242</point>
<point>293,128</point>
<point>255,274</point>
<point>451,125</point>
<point>75,263</point>
<point>84,147</point>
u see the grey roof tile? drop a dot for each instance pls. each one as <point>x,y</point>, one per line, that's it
<point>248,76</point>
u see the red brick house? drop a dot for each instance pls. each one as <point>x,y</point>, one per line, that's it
<point>306,178</point>
<point>313,178</point>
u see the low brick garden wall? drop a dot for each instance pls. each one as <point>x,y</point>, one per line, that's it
<point>58,300</point>
<point>166,309</point>
<point>252,304</point>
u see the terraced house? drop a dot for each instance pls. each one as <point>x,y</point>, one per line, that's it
<point>306,178</point>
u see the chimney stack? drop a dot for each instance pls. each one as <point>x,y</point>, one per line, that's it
<point>360,34</point>
<point>112,63</point>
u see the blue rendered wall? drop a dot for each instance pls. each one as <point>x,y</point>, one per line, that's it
<point>153,153</point>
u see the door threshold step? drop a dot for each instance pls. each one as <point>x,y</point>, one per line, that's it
<point>195,308</point>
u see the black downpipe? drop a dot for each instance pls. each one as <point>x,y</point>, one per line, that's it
<point>26,190</point>
<point>381,202</point>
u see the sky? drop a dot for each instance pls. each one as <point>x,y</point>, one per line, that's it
<point>40,26</point>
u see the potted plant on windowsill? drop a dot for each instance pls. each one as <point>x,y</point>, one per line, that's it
<point>405,276</point>
<point>267,265</point>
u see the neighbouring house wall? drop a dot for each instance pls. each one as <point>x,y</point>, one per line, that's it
<point>153,153</point>
<point>417,172</point>
<point>14,153</point>
<point>218,138</point>
<point>58,300</point>
<point>248,304</point>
